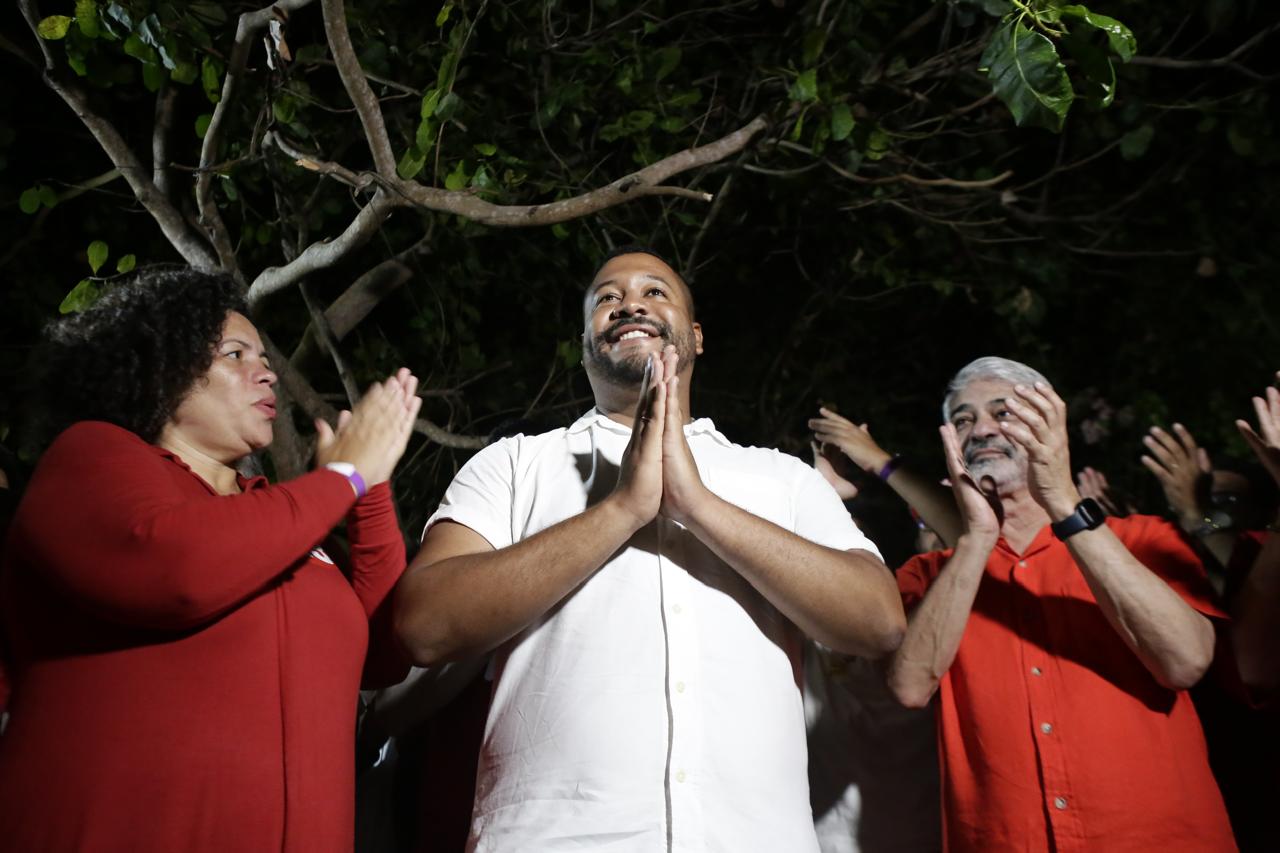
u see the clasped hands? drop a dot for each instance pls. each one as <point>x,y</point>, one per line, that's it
<point>374,434</point>
<point>658,474</point>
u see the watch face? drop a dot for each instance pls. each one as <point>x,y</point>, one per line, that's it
<point>1092,513</point>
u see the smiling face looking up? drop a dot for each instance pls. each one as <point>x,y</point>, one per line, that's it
<point>635,306</point>
<point>977,411</point>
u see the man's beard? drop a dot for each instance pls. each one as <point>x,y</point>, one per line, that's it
<point>629,369</point>
<point>1007,472</point>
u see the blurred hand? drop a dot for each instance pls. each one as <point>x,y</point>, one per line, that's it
<point>1092,483</point>
<point>981,512</point>
<point>845,489</point>
<point>1039,426</point>
<point>639,488</point>
<point>1183,470</point>
<point>1265,441</point>
<point>682,486</point>
<point>373,436</point>
<point>853,440</point>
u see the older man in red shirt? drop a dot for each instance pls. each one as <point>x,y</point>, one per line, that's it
<point>1061,645</point>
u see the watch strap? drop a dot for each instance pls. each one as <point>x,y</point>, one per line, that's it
<point>349,471</point>
<point>1087,516</point>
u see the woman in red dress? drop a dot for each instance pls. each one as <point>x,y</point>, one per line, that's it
<point>186,654</point>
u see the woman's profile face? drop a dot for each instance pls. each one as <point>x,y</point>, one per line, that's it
<point>229,411</point>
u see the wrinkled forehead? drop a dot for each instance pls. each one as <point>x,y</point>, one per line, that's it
<point>636,267</point>
<point>981,393</point>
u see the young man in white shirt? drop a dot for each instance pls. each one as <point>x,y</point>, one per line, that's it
<point>644,583</point>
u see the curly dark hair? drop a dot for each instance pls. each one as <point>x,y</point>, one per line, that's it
<point>131,358</point>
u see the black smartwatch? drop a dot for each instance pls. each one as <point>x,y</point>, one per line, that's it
<point>1087,516</point>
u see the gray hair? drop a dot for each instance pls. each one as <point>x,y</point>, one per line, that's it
<point>989,367</point>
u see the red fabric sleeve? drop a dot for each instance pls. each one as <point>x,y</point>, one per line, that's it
<point>377,561</point>
<point>916,574</point>
<point>107,520</point>
<point>1160,547</point>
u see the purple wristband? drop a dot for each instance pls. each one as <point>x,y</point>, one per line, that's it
<point>889,467</point>
<point>349,471</point>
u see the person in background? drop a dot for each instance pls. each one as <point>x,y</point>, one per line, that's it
<point>873,765</point>
<point>187,654</point>
<point>1060,645</point>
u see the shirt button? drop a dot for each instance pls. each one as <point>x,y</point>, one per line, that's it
<point>680,778</point>
<point>1059,803</point>
<point>679,686</point>
<point>1035,670</point>
<point>676,609</point>
<point>1022,564</point>
<point>1047,728</point>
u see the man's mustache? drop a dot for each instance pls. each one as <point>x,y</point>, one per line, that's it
<point>977,446</point>
<point>610,333</point>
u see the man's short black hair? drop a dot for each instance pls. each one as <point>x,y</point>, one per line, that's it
<point>641,249</point>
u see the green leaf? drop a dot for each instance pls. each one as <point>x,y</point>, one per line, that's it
<point>668,59</point>
<point>411,163</point>
<point>425,137</point>
<point>684,99</point>
<point>87,18</point>
<point>560,230</point>
<point>185,72</point>
<point>152,76</point>
<point>1119,37</point>
<point>138,49</point>
<point>570,351</point>
<point>841,122</point>
<point>814,42</point>
<point>211,79</point>
<point>126,263</point>
<point>486,149</point>
<point>1136,142</point>
<point>229,188</point>
<point>48,197</point>
<point>457,179</point>
<point>1099,85</point>
<point>284,109</point>
<point>29,201</point>
<point>444,15</point>
<point>98,252</point>
<point>202,124</point>
<point>1026,73</point>
<point>429,102</point>
<point>53,27</point>
<point>632,123</point>
<point>448,106</point>
<point>81,297</point>
<point>805,87</point>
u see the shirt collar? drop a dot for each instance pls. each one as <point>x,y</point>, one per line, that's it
<point>595,417</point>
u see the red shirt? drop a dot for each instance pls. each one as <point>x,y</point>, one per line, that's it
<point>1051,732</point>
<point>186,664</point>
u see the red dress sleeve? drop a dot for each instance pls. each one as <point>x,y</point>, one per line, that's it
<point>106,520</point>
<point>377,560</point>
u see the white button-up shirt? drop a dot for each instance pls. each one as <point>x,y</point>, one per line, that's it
<point>658,706</point>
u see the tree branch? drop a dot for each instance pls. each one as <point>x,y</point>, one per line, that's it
<point>170,220</point>
<point>1228,60</point>
<point>445,438</point>
<point>330,343</point>
<point>247,29</point>
<point>325,253</point>
<point>353,78</point>
<point>645,182</point>
<point>165,102</point>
